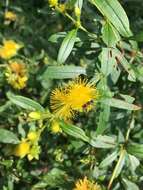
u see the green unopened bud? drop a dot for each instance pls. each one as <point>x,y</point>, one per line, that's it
<point>35,115</point>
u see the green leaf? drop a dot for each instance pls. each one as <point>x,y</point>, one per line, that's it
<point>129,185</point>
<point>8,137</point>
<point>25,103</point>
<point>114,12</point>
<point>134,162</point>
<point>135,149</point>
<point>138,37</point>
<point>74,131</point>
<point>5,106</point>
<point>79,3</point>
<point>103,141</point>
<point>110,35</point>
<point>109,159</point>
<point>120,104</point>
<point>55,37</point>
<point>53,178</point>
<point>103,119</point>
<point>67,46</point>
<point>63,72</point>
<point>126,65</point>
<point>118,167</point>
<point>107,61</point>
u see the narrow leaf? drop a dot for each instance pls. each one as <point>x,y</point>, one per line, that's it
<point>115,13</point>
<point>63,72</point>
<point>120,104</point>
<point>8,137</point>
<point>74,131</point>
<point>25,103</point>
<point>110,35</point>
<point>130,185</point>
<point>103,141</point>
<point>109,159</point>
<point>67,46</point>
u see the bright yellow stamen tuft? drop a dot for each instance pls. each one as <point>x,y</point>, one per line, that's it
<point>9,49</point>
<point>85,184</point>
<point>76,96</point>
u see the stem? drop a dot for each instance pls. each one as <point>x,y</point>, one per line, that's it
<point>73,20</point>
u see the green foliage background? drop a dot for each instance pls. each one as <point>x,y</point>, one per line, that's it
<point>110,58</point>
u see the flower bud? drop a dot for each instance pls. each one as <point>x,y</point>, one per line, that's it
<point>35,115</point>
<point>77,11</point>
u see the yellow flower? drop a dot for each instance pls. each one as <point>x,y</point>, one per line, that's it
<point>62,8</point>
<point>9,49</point>
<point>11,16</point>
<point>16,74</point>
<point>85,184</point>
<point>32,136</point>
<point>22,149</point>
<point>55,127</point>
<point>53,3</point>
<point>77,96</point>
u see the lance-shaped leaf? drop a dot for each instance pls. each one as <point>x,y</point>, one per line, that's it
<point>8,137</point>
<point>120,58</point>
<point>25,103</point>
<point>120,104</point>
<point>63,72</point>
<point>129,185</point>
<point>115,13</point>
<point>103,141</point>
<point>109,159</point>
<point>118,167</point>
<point>110,35</point>
<point>135,149</point>
<point>74,131</point>
<point>67,46</point>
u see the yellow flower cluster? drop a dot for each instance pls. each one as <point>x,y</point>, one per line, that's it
<point>55,127</point>
<point>60,7</point>
<point>10,16</point>
<point>9,49</point>
<point>77,96</point>
<point>28,147</point>
<point>85,184</point>
<point>16,74</point>
<point>53,3</point>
